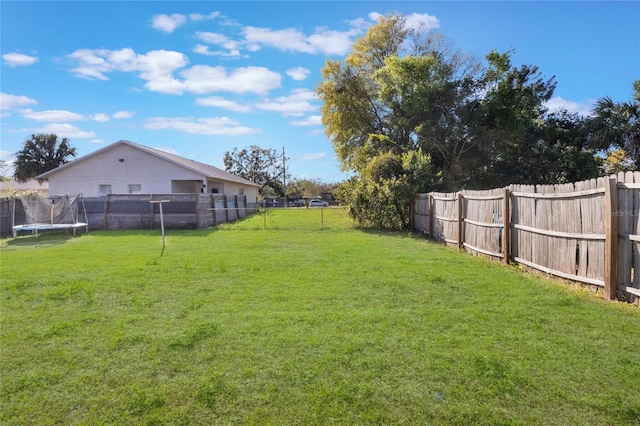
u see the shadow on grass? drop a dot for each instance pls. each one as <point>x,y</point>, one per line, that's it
<point>406,233</point>
<point>153,233</point>
<point>41,240</point>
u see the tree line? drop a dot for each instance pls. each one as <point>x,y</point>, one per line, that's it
<point>267,168</point>
<point>407,112</point>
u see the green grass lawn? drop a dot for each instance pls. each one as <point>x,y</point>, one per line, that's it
<point>301,324</point>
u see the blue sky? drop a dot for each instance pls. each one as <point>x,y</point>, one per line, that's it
<point>201,78</point>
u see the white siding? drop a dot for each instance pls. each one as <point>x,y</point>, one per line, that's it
<point>233,188</point>
<point>138,167</point>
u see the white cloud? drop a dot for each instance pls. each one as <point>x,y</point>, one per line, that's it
<point>91,65</point>
<point>195,17</point>
<point>62,115</point>
<point>332,42</point>
<point>296,104</point>
<point>302,95</point>
<point>288,40</point>
<point>97,141</point>
<point>422,21</point>
<point>314,156</point>
<point>15,59</point>
<point>557,103</point>
<point>313,120</point>
<point>322,42</point>
<point>218,102</point>
<point>360,23</point>
<point>122,115</point>
<point>298,73</point>
<point>65,130</point>
<point>205,79</point>
<point>53,115</point>
<point>101,117</point>
<point>168,23</point>
<point>11,101</point>
<point>204,50</point>
<point>219,39</point>
<point>95,63</point>
<point>414,21</point>
<point>157,67</point>
<point>218,126</point>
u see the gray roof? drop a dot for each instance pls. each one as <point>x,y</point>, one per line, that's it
<point>204,169</point>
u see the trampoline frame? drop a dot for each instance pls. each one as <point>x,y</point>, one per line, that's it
<point>35,228</point>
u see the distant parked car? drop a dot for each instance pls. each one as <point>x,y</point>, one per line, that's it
<point>318,203</point>
<point>297,203</point>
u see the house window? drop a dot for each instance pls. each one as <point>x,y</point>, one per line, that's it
<point>134,188</point>
<point>104,190</point>
<point>241,191</point>
<point>215,189</point>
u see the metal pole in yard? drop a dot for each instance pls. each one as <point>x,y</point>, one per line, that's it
<point>162,224</point>
<point>160,202</point>
<point>284,177</point>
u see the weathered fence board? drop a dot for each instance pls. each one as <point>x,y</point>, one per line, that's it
<point>629,232</point>
<point>444,212</point>
<point>483,221</point>
<point>566,236</point>
<point>564,230</point>
<point>422,213</point>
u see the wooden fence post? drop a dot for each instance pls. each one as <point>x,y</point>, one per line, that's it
<point>151,211</point>
<point>460,221</point>
<point>431,217</point>
<point>198,207</point>
<point>611,238</point>
<point>411,213</point>
<point>506,227</point>
<point>106,211</point>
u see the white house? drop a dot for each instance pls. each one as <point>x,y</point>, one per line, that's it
<point>129,168</point>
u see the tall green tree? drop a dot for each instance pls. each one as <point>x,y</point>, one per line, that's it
<point>263,166</point>
<point>510,122</point>
<point>380,194</point>
<point>405,91</point>
<point>377,106</point>
<point>616,126</point>
<point>41,153</point>
<point>566,156</point>
<point>408,85</point>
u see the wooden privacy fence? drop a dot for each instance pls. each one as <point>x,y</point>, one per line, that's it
<point>137,211</point>
<point>587,231</point>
